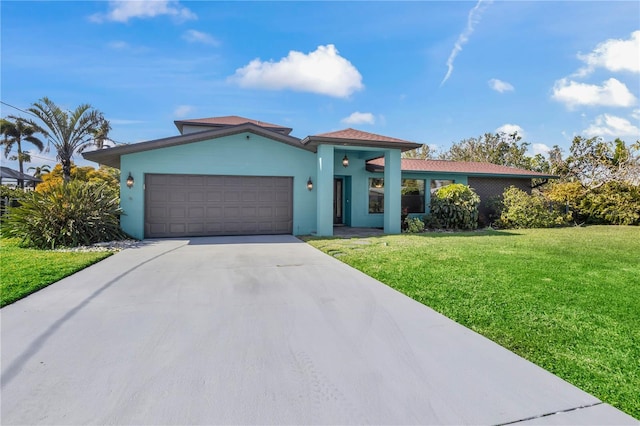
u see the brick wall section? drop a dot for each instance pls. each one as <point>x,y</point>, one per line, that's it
<point>487,188</point>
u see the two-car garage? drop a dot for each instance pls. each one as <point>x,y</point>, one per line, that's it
<point>178,205</point>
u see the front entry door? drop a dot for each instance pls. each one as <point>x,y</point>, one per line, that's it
<point>338,218</point>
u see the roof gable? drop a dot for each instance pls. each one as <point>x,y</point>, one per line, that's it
<point>111,156</point>
<point>460,167</point>
<point>359,138</point>
<point>359,135</point>
<point>230,120</point>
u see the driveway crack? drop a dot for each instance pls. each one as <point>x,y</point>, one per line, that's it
<point>551,414</point>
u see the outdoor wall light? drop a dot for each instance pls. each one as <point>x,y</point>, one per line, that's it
<point>345,161</point>
<point>309,184</point>
<point>130,180</point>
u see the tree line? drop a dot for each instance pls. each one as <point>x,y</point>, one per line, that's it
<point>598,181</point>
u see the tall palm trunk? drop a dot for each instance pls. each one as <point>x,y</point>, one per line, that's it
<point>20,164</point>
<point>66,169</point>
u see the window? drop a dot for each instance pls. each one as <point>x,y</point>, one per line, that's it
<point>439,183</point>
<point>413,195</point>
<point>376,195</point>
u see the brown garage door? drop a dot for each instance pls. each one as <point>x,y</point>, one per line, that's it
<point>202,205</point>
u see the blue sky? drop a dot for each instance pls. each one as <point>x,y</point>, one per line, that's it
<point>429,72</point>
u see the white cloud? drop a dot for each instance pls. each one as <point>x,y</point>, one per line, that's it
<point>510,129</point>
<point>118,45</point>
<point>359,118</point>
<point>540,148</point>
<point>606,125</point>
<point>614,55</point>
<point>322,71</point>
<point>183,110</point>
<point>193,36</point>
<point>123,46</point>
<point>472,20</point>
<point>500,86</point>
<point>123,10</point>
<point>611,93</point>
<point>635,114</point>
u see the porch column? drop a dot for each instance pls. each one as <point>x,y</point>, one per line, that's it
<point>392,188</point>
<point>324,187</point>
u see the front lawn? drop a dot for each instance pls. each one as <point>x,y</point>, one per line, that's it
<point>566,299</point>
<point>24,271</point>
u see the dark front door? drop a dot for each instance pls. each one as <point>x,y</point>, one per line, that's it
<point>338,201</point>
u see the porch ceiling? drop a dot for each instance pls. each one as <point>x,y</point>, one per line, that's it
<point>361,152</point>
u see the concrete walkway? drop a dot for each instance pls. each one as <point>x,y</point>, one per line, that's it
<point>259,330</point>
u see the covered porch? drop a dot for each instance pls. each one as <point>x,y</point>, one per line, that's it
<point>346,191</point>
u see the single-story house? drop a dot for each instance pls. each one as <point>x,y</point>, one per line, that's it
<point>17,176</point>
<point>237,176</point>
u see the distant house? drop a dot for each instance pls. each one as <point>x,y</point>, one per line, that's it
<point>236,176</point>
<point>15,177</point>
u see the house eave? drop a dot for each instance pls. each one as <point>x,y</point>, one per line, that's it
<point>518,176</point>
<point>374,168</point>
<point>314,141</point>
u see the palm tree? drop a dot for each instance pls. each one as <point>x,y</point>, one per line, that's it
<point>100,135</point>
<point>41,170</point>
<point>68,131</point>
<point>15,132</point>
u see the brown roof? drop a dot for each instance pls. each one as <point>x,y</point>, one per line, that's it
<point>230,120</point>
<point>466,167</point>
<point>353,137</point>
<point>359,135</point>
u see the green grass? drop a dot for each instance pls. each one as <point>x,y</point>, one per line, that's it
<point>566,299</point>
<point>24,271</point>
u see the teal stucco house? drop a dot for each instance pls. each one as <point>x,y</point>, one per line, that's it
<point>237,176</point>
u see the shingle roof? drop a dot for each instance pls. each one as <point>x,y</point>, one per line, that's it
<point>231,120</point>
<point>467,167</point>
<point>353,137</point>
<point>359,135</point>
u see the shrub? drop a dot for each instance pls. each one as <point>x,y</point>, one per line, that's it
<point>615,203</point>
<point>494,208</point>
<point>455,206</point>
<point>70,215</point>
<point>9,197</point>
<point>413,225</point>
<point>11,193</point>
<point>106,175</point>
<point>569,195</point>
<point>521,210</point>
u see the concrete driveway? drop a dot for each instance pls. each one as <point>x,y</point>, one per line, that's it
<point>259,330</point>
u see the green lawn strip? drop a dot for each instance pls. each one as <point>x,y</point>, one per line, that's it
<point>25,271</point>
<point>566,299</point>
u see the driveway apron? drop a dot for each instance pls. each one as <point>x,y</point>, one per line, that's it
<point>259,330</point>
